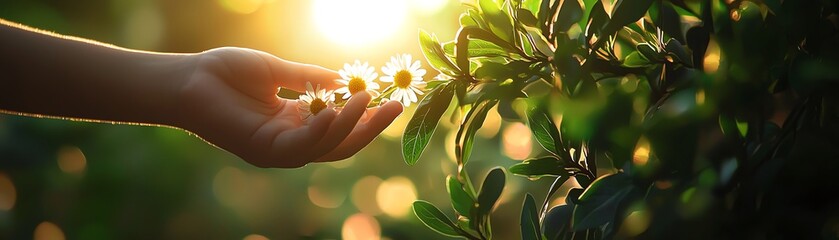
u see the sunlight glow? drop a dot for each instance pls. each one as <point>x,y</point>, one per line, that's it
<point>359,22</point>
<point>428,6</point>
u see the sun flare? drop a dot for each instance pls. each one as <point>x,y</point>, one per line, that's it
<point>359,22</point>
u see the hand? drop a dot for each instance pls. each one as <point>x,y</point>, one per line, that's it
<point>230,100</point>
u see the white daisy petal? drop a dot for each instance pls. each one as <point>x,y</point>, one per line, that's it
<point>412,95</point>
<point>419,72</point>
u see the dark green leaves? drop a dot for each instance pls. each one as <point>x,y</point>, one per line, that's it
<point>557,221</point>
<point>424,122</point>
<point>649,52</point>
<point>461,200</point>
<point>543,128</point>
<point>625,12</point>
<point>434,218</point>
<point>434,54</point>
<point>540,167</point>
<point>599,203</point>
<point>490,190</point>
<point>530,220</point>
<point>570,12</point>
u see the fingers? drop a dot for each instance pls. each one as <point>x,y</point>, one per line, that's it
<point>364,133</point>
<point>343,124</point>
<point>293,75</point>
<point>305,137</point>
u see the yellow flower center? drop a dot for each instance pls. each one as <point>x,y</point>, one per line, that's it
<point>356,84</point>
<point>402,79</point>
<point>316,106</point>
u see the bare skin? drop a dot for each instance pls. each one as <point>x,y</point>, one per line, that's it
<point>227,96</point>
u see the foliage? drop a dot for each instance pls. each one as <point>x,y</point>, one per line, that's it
<point>676,117</point>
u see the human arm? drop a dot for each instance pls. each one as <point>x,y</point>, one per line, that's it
<point>226,96</point>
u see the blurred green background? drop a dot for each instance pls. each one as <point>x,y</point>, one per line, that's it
<point>77,180</point>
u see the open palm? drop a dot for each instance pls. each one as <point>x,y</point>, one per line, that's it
<point>230,101</point>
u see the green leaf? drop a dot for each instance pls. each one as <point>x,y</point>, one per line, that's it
<point>742,127</point>
<point>542,14</point>
<point>532,6</point>
<point>557,221</point>
<point>599,203</point>
<point>461,201</point>
<point>635,60</point>
<point>467,20</point>
<point>544,128</point>
<point>676,49</point>
<point>540,167</point>
<point>432,217</point>
<point>587,7</point>
<point>479,48</point>
<point>466,133</point>
<point>490,191</point>
<point>598,18</point>
<point>434,54</point>
<point>526,17</point>
<point>530,220</point>
<point>422,125</point>
<point>569,13</point>
<point>499,22</point>
<point>625,12</point>
<point>728,126</point>
<point>649,52</point>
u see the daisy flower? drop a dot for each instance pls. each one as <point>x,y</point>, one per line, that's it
<point>314,101</point>
<point>357,77</point>
<point>406,77</point>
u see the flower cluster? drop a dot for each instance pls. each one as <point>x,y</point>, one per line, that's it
<point>405,78</point>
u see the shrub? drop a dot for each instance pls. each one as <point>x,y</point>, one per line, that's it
<point>678,118</point>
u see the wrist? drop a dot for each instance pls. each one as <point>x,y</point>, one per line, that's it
<point>174,72</point>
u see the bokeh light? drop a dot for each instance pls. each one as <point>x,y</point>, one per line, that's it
<point>358,22</point>
<point>48,231</point>
<point>394,131</point>
<point>323,191</point>
<point>642,152</point>
<point>247,193</point>
<point>255,237</point>
<point>8,193</point>
<point>395,196</point>
<point>711,61</point>
<point>364,195</point>
<point>361,226</point>
<point>144,28</point>
<point>518,141</point>
<point>71,160</point>
<point>636,223</point>
<point>242,6</point>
